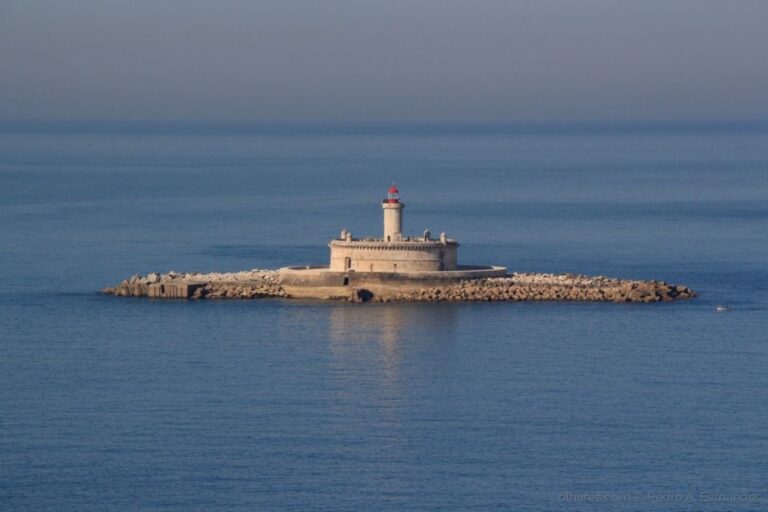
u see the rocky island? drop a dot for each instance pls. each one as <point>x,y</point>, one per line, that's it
<point>397,268</point>
<point>254,284</point>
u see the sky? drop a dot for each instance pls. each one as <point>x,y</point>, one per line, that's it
<point>384,60</point>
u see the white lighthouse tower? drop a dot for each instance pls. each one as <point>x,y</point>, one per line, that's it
<point>393,216</point>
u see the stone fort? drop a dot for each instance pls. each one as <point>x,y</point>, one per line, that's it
<point>383,266</point>
<point>393,252</point>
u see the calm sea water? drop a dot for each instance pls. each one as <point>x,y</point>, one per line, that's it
<point>130,404</point>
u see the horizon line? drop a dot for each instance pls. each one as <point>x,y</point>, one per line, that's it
<point>160,126</point>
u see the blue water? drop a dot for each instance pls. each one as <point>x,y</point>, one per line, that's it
<point>130,404</point>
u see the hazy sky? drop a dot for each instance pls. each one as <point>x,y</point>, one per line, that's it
<point>385,60</point>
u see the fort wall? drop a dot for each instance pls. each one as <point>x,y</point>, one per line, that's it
<point>320,282</point>
<point>405,256</point>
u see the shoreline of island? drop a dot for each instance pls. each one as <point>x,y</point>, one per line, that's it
<point>515,287</point>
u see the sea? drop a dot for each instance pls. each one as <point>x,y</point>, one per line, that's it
<point>119,404</point>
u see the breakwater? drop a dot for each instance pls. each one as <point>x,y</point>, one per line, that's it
<point>551,287</point>
<point>249,284</point>
<point>260,283</point>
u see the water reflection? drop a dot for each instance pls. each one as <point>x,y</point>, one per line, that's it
<point>382,333</point>
<point>388,324</point>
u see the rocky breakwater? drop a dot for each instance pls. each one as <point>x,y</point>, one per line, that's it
<point>545,287</point>
<point>259,283</point>
<point>249,284</point>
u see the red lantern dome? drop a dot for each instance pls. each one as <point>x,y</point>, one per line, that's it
<point>393,195</point>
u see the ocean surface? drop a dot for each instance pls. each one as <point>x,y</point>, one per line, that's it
<point>110,404</point>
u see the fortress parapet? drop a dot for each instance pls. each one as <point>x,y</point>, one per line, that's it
<point>401,256</point>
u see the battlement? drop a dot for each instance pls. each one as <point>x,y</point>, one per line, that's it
<point>380,243</point>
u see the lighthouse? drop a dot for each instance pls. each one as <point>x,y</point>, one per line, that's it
<point>367,265</point>
<point>393,216</point>
<point>394,252</point>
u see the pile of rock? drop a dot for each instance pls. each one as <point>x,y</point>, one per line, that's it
<point>248,284</point>
<point>547,287</point>
<point>255,290</point>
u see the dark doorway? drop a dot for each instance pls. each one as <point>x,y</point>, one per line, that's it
<point>364,295</point>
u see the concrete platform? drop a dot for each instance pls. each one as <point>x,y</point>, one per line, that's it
<point>319,282</point>
<point>179,290</point>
